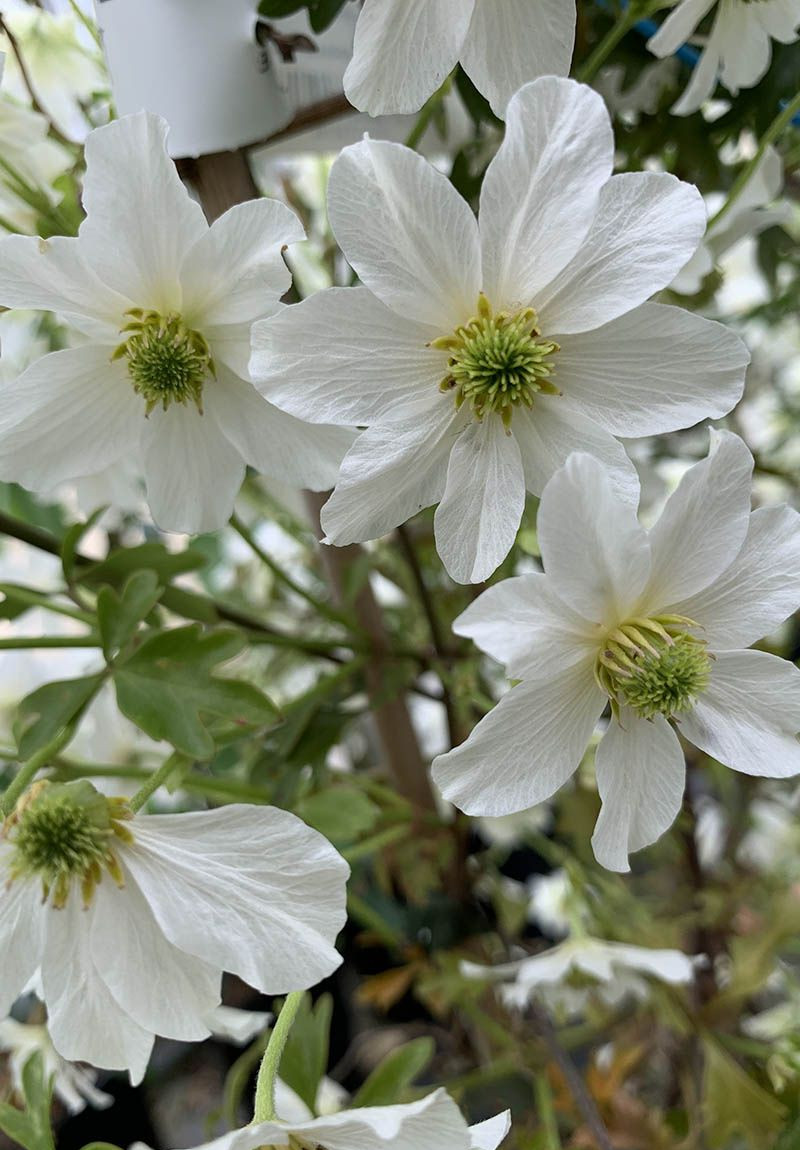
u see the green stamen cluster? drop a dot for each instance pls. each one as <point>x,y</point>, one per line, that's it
<point>653,665</point>
<point>498,361</point>
<point>167,361</point>
<point>65,833</point>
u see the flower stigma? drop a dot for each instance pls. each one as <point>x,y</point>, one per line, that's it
<point>654,665</point>
<point>65,833</point>
<point>168,362</point>
<point>497,361</point>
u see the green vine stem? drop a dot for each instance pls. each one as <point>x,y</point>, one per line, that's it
<point>270,1063</point>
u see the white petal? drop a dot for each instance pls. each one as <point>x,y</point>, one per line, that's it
<point>276,444</point>
<point>250,889</point>
<point>489,1134</point>
<point>235,271</point>
<point>52,275</point>
<point>20,933</point>
<point>594,550</point>
<point>668,965</point>
<point>341,356</point>
<point>230,345</point>
<point>84,1019</point>
<point>758,590</point>
<point>522,623</point>
<point>648,224</point>
<point>407,232</point>
<point>511,43</point>
<point>641,774</point>
<point>403,51</point>
<point>433,1123</point>
<point>781,19</point>
<point>678,27</point>
<point>392,471</point>
<point>541,189</point>
<point>72,413</point>
<point>163,989</point>
<point>192,471</point>
<point>746,50</point>
<point>653,370</point>
<point>704,523</point>
<point>527,747</point>
<point>239,1026</point>
<point>140,218</point>
<point>553,430</point>
<point>484,497</point>
<point>749,716</point>
<point>703,79</point>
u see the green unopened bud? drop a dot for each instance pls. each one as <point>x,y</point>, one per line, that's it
<point>498,361</point>
<point>65,834</point>
<point>167,361</point>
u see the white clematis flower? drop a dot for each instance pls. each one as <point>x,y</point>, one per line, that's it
<point>142,914</point>
<point>652,621</point>
<point>481,359</point>
<point>28,156</point>
<point>405,49</point>
<point>74,1086</point>
<point>738,49</point>
<point>166,304</point>
<point>433,1123</point>
<point>572,973</point>
<point>748,216</point>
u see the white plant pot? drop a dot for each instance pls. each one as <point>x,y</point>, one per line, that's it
<point>197,64</point>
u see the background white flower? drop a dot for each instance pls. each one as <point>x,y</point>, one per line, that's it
<point>165,304</point>
<point>405,49</point>
<point>251,890</point>
<point>654,621</point>
<point>74,1086</point>
<point>614,968</point>
<point>738,49</point>
<point>480,359</point>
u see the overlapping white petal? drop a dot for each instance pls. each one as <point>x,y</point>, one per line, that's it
<point>403,51</point>
<point>542,189</point>
<point>593,547</point>
<point>509,44</point>
<point>641,774</point>
<point>416,247</point>
<point>527,747</point>
<point>749,716</point>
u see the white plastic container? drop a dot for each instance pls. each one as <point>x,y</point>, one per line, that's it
<point>198,64</point>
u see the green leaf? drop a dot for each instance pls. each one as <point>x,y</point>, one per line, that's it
<point>31,1129</point>
<point>43,714</point>
<point>341,813</point>
<point>167,688</point>
<point>734,1104</point>
<point>118,615</point>
<point>322,13</point>
<point>152,556</point>
<point>305,1057</point>
<point>390,1080</point>
<point>276,9</point>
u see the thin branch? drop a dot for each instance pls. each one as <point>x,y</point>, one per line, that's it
<point>26,79</point>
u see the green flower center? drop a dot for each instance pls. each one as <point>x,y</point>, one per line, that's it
<point>168,362</point>
<point>656,666</point>
<point>64,833</point>
<point>497,361</point>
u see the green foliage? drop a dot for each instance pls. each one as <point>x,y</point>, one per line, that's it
<point>30,1128</point>
<point>152,556</point>
<point>321,13</point>
<point>47,711</point>
<point>305,1057</point>
<point>119,615</point>
<point>342,813</point>
<point>734,1104</point>
<point>168,688</point>
<point>389,1082</point>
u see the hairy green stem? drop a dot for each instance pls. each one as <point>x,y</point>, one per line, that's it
<point>29,770</point>
<point>270,1063</point>
<point>156,779</point>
